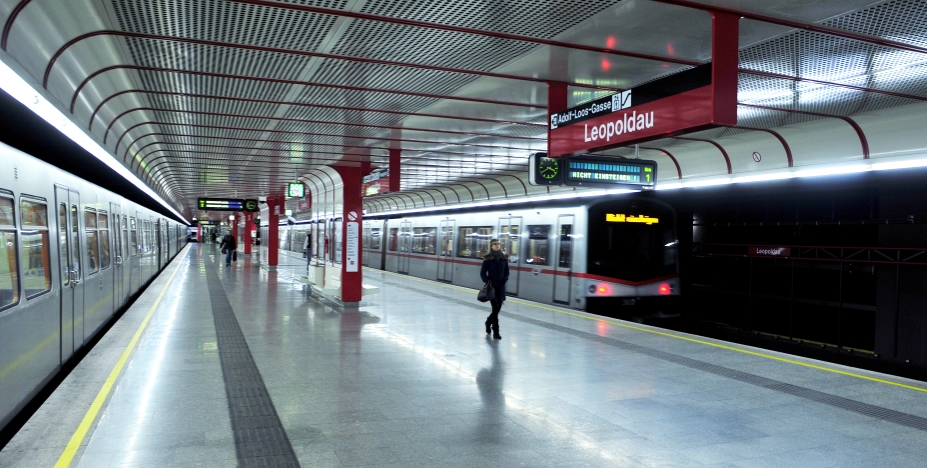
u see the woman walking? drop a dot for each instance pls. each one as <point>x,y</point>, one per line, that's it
<point>495,270</point>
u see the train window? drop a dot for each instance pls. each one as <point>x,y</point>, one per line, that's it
<point>375,238</point>
<point>75,243</point>
<point>104,240</point>
<point>366,238</point>
<point>424,240</point>
<point>537,253</point>
<point>509,238</point>
<point>473,241</point>
<point>133,238</point>
<point>7,216</point>
<point>393,238</point>
<point>566,245</point>
<point>9,277</point>
<point>90,241</point>
<point>64,262</point>
<point>34,244</point>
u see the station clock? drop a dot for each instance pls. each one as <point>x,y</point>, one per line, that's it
<point>545,171</point>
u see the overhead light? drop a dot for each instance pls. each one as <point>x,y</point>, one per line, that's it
<point>23,92</point>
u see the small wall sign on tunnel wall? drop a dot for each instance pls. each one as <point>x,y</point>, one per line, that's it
<point>757,157</point>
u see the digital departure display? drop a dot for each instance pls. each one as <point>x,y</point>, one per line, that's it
<point>227,204</point>
<point>598,171</point>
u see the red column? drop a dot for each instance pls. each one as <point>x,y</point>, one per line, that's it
<point>556,102</point>
<point>351,260</point>
<point>725,38</point>
<point>246,238</point>
<point>394,167</point>
<point>273,237</point>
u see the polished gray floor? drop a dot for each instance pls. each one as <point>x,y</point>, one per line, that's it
<point>409,379</point>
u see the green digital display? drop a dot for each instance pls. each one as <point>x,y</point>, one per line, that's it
<point>599,171</point>
<point>296,190</point>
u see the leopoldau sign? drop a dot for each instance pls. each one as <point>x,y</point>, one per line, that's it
<point>683,102</point>
<point>695,99</point>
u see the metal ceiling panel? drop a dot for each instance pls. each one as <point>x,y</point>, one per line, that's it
<point>204,95</point>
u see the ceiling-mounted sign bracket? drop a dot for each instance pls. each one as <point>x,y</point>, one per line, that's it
<point>696,99</point>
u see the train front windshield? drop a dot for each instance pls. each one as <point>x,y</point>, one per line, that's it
<point>632,240</point>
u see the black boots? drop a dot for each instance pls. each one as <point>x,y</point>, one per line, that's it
<point>495,332</point>
<point>488,331</point>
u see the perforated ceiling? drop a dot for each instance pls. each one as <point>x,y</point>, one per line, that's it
<point>235,96</point>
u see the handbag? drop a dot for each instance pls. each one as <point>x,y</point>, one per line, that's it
<point>224,250</point>
<point>488,293</point>
<point>234,255</point>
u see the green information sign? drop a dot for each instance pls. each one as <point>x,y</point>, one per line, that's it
<point>296,190</point>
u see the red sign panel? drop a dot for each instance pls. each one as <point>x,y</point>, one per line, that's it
<point>767,251</point>
<point>696,99</point>
<point>688,111</point>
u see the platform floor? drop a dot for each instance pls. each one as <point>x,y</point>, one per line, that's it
<point>241,367</point>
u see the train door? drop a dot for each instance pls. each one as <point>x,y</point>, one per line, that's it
<point>405,245</point>
<point>563,264</point>
<point>118,255</point>
<point>446,250</point>
<point>510,240</point>
<point>72,289</point>
<point>366,243</point>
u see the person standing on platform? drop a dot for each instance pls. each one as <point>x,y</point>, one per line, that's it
<point>228,245</point>
<point>495,270</point>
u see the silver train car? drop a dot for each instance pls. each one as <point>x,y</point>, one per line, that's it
<point>72,255</point>
<point>614,255</point>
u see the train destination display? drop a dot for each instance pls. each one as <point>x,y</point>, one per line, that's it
<point>227,204</point>
<point>598,171</point>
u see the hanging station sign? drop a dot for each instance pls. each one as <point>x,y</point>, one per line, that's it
<point>684,102</point>
<point>227,204</point>
<point>695,99</point>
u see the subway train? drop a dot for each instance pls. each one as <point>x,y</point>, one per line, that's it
<point>615,255</point>
<point>73,254</point>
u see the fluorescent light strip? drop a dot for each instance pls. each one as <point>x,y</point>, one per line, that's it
<point>13,84</point>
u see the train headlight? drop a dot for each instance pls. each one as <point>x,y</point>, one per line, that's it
<point>666,289</point>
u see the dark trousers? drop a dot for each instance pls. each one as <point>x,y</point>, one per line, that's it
<point>493,319</point>
<point>228,256</point>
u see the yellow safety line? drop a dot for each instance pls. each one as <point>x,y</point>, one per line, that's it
<point>78,438</point>
<point>679,337</point>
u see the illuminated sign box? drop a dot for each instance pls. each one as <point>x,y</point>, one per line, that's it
<point>296,190</point>
<point>226,204</point>
<point>593,171</point>
<point>622,218</point>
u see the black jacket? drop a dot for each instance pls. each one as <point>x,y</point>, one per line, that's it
<point>496,271</point>
<point>229,242</point>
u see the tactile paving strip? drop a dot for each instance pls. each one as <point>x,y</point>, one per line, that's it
<point>873,411</point>
<point>260,439</point>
